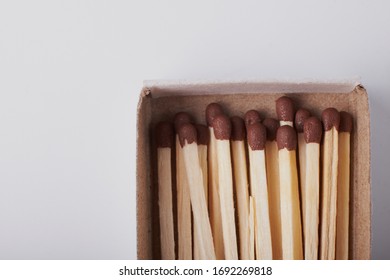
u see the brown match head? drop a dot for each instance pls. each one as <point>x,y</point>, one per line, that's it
<point>285,109</point>
<point>187,134</point>
<point>271,126</point>
<point>203,134</point>
<point>300,116</point>
<point>286,138</point>
<point>213,110</point>
<point>164,135</point>
<point>251,117</point>
<point>346,122</point>
<point>180,118</point>
<point>257,136</point>
<point>331,118</point>
<point>222,127</point>
<point>312,130</point>
<point>238,128</point>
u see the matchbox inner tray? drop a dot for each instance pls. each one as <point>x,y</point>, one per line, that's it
<point>162,100</point>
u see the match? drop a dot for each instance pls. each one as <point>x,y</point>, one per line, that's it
<point>251,117</point>
<point>285,111</point>
<point>203,140</point>
<point>184,225</point>
<point>213,110</point>
<point>312,132</point>
<point>343,186</point>
<point>300,116</point>
<point>289,194</point>
<point>241,185</point>
<point>251,229</point>
<point>222,133</point>
<point>188,142</point>
<point>331,122</point>
<point>164,139</point>
<point>272,164</point>
<point>256,136</point>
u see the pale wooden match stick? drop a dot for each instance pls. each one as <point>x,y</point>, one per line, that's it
<point>184,224</point>
<point>213,110</point>
<point>241,184</point>
<point>222,133</point>
<point>331,121</point>
<point>256,136</point>
<point>300,116</point>
<point>285,111</point>
<point>272,162</point>
<point>251,229</point>
<point>289,194</point>
<point>188,141</point>
<point>203,140</point>
<point>312,131</point>
<point>164,139</point>
<point>251,117</point>
<point>343,186</point>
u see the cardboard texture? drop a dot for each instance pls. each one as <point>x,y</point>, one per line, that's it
<point>160,101</point>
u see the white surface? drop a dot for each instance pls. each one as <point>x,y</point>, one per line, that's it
<point>70,74</point>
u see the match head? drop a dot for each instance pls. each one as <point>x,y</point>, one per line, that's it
<point>213,110</point>
<point>181,118</point>
<point>346,122</point>
<point>286,138</point>
<point>257,136</point>
<point>203,134</point>
<point>187,134</point>
<point>312,130</point>
<point>164,135</point>
<point>222,127</point>
<point>238,129</point>
<point>251,117</point>
<point>300,116</point>
<point>285,109</point>
<point>271,126</point>
<point>331,118</point>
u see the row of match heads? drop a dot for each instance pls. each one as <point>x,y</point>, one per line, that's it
<point>256,131</point>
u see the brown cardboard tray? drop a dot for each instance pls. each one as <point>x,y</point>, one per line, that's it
<point>161,100</point>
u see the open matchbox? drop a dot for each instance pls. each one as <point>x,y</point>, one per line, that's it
<point>162,100</point>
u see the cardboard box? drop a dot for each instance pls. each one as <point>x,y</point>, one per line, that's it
<point>160,101</point>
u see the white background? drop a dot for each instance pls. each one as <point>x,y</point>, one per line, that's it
<point>70,75</point>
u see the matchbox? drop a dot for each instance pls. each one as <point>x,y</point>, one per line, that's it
<point>162,100</point>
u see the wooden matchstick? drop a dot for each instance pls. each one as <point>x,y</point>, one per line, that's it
<point>289,195</point>
<point>203,140</point>
<point>285,111</point>
<point>256,136</point>
<point>343,186</point>
<point>213,110</point>
<point>222,133</point>
<point>272,162</point>
<point>164,137</point>
<point>184,225</point>
<point>251,117</point>
<point>300,116</point>
<point>312,131</point>
<point>331,121</point>
<point>241,184</point>
<point>188,142</point>
<point>251,229</point>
